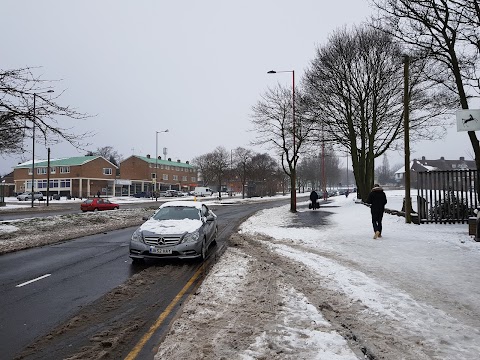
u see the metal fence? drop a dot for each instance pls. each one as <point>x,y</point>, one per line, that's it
<point>447,196</point>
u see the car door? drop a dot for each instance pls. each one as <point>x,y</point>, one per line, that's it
<point>107,205</point>
<point>208,225</point>
<point>100,204</point>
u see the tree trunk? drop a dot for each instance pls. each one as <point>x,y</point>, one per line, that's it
<point>293,190</point>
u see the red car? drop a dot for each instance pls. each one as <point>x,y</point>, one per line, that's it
<point>98,204</point>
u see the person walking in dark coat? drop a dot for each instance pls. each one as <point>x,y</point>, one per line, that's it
<point>314,199</point>
<point>377,200</point>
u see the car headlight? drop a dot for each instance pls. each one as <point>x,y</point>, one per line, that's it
<point>191,237</point>
<point>137,236</point>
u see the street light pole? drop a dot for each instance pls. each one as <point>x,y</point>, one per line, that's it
<point>33,150</point>
<point>324,178</point>
<point>156,161</point>
<point>33,144</point>
<point>293,178</point>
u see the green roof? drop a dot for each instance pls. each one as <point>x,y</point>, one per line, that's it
<point>72,161</point>
<point>164,162</point>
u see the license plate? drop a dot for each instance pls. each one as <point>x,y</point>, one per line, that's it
<point>157,250</point>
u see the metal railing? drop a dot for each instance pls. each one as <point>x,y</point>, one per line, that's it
<point>447,196</point>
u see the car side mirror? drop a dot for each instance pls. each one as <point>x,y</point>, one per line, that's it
<point>145,218</point>
<point>210,217</point>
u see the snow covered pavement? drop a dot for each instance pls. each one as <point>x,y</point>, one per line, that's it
<point>287,291</point>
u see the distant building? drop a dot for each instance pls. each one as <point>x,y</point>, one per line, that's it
<point>144,173</point>
<point>424,165</point>
<point>85,176</point>
<point>80,176</point>
<point>8,185</point>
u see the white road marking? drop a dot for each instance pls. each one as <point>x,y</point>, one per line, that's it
<point>33,280</point>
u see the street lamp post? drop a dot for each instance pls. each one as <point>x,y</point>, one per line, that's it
<point>156,161</point>
<point>293,181</point>
<point>33,143</point>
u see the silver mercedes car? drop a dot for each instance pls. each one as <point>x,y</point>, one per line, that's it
<point>178,229</point>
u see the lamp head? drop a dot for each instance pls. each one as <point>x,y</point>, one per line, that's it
<point>271,72</point>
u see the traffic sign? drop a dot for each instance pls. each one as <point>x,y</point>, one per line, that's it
<point>468,120</point>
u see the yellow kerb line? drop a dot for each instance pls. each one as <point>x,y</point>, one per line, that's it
<point>135,351</point>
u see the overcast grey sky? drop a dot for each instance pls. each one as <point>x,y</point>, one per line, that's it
<point>193,67</point>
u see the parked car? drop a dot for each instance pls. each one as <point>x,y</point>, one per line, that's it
<point>98,204</point>
<point>28,196</point>
<point>178,229</point>
<point>170,193</point>
<point>141,194</point>
<point>203,191</point>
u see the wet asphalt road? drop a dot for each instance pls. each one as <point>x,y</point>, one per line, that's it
<point>82,271</point>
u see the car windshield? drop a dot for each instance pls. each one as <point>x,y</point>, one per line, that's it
<point>177,213</point>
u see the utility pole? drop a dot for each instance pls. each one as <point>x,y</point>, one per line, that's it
<point>48,176</point>
<point>406,125</point>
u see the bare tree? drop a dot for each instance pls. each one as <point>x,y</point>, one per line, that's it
<point>272,119</point>
<point>213,166</point>
<point>383,172</point>
<point>264,171</point>
<point>18,90</point>
<point>312,168</point>
<point>355,83</point>
<point>242,165</point>
<point>308,172</point>
<point>202,163</point>
<point>331,167</point>
<point>447,33</point>
<point>11,136</point>
<point>108,153</point>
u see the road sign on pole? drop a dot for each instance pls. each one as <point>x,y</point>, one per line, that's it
<point>468,120</point>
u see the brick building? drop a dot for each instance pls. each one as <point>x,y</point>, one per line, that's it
<point>81,176</point>
<point>7,184</point>
<point>144,173</point>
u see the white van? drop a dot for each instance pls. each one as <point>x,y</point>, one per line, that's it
<point>203,191</point>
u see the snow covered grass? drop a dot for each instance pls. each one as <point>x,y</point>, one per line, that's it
<point>420,279</point>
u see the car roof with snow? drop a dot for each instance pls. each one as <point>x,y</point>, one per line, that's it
<point>194,204</point>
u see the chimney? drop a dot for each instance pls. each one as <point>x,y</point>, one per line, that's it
<point>442,158</point>
<point>462,158</point>
<point>178,161</point>
<point>148,156</point>
<point>423,158</point>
